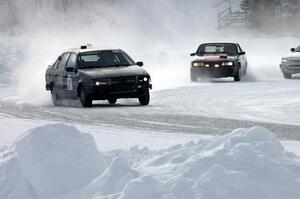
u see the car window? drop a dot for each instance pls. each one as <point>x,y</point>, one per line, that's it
<point>214,49</point>
<point>218,48</point>
<point>89,57</point>
<point>55,65</point>
<point>63,61</point>
<point>72,61</point>
<point>239,48</point>
<point>102,59</point>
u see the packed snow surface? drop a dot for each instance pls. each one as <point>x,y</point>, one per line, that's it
<point>252,99</point>
<point>57,161</point>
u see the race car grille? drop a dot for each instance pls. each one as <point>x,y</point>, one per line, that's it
<point>212,64</point>
<point>294,66</point>
<point>293,63</point>
<point>123,84</point>
<point>124,80</point>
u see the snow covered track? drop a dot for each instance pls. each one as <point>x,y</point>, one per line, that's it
<point>202,108</point>
<point>59,162</point>
<point>143,118</point>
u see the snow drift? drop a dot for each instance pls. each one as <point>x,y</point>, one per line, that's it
<point>49,161</point>
<point>59,162</point>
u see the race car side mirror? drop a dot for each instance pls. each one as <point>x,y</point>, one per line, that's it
<point>193,54</point>
<point>70,69</point>
<point>242,53</point>
<point>293,49</point>
<point>140,64</point>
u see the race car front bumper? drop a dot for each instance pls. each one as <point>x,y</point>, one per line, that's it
<point>118,91</point>
<point>290,68</point>
<point>212,72</point>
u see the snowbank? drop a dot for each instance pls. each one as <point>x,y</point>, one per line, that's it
<point>49,161</point>
<point>59,162</point>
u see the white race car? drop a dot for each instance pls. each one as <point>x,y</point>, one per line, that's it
<point>290,64</point>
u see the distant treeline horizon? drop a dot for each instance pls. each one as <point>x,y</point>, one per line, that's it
<point>278,15</point>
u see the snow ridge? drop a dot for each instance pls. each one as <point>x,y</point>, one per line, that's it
<point>59,162</point>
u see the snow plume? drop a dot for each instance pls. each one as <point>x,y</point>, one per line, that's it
<point>59,162</point>
<point>155,32</point>
<point>160,33</point>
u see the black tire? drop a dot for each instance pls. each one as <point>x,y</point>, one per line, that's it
<point>55,98</point>
<point>145,98</point>
<point>112,100</point>
<point>237,77</point>
<point>85,100</point>
<point>287,75</point>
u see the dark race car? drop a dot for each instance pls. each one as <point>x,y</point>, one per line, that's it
<point>218,60</point>
<point>290,63</point>
<point>96,74</point>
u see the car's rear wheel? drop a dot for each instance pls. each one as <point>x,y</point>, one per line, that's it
<point>145,98</point>
<point>55,98</point>
<point>287,75</point>
<point>85,99</point>
<point>112,100</point>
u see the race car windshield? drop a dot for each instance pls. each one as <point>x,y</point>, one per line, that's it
<point>229,49</point>
<point>103,59</point>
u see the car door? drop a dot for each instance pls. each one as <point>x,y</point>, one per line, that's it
<point>60,76</point>
<point>71,77</point>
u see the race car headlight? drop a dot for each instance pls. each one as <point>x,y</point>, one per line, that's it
<point>198,64</point>
<point>228,63</point>
<point>102,82</point>
<point>144,79</point>
<point>284,60</point>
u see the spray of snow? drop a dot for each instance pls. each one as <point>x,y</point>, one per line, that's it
<point>59,162</point>
<point>162,34</point>
<point>149,31</point>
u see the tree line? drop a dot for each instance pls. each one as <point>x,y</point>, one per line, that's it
<point>269,13</point>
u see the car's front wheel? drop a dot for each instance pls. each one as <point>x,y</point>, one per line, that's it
<point>145,98</point>
<point>85,99</point>
<point>237,77</point>
<point>287,75</point>
<point>112,100</point>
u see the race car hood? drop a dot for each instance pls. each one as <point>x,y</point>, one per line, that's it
<point>113,72</point>
<point>294,56</point>
<point>215,58</point>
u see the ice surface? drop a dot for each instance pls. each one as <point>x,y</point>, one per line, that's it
<point>58,161</point>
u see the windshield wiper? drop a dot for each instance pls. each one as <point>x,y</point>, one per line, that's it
<point>86,67</point>
<point>117,65</point>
